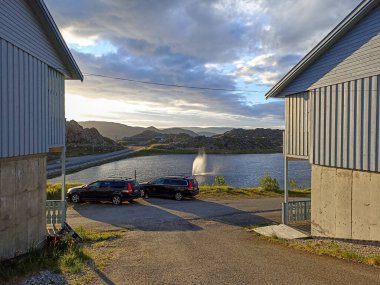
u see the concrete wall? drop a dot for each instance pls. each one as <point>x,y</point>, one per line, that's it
<point>345,203</point>
<point>22,204</point>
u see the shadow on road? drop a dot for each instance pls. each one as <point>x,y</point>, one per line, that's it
<point>209,210</point>
<point>136,215</point>
<point>168,215</point>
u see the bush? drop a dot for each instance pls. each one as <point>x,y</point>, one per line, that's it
<point>268,183</point>
<point>219,181</point>
<point>293,184</point>
<point>53,190</point>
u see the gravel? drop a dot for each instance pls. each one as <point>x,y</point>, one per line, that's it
<point>45,277</point>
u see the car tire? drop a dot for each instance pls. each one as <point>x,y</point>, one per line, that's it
<point>116,200</point>
<point>142,193</point>
<point>75,198</point>
<point>178,196</point>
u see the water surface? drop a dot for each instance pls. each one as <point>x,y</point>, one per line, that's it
<point>242,170</point>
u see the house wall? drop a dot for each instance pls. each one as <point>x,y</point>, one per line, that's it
<point>22,204</point>
<point>354,56</point>
<point>32,103</point>
<point>297,137</point>
<point>345,121</point>
<point>345,203</point>
<point>31,37</point>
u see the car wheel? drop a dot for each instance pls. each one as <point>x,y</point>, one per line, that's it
<point>142,193</point>
<point>178,196</point>
<point>116,200</point>
<point>75,198</point>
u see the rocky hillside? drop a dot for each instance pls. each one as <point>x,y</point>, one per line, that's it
<point>76,134</point>
<point>234,141</point>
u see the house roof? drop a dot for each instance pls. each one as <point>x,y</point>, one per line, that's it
<point>337,33</point>
<point>59,42</point>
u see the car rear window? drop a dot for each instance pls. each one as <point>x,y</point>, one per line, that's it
<point>118,184</point>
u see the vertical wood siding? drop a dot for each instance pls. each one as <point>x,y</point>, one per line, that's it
<point>24,104</point>
<point>345,119</point>
<point>19,26</point>
<point>56,108</point>
<point>355,55</point>
<point>297,125</point>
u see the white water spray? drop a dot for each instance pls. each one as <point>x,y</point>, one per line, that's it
<point>199,164</point>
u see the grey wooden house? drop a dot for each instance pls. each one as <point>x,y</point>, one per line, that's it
<point>332,101</point>
<point>34,62</point>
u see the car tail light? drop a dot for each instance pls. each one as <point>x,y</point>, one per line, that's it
<point>190,185</point>
<point>129,190</point>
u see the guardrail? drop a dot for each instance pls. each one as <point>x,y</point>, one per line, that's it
<point>297,211</point>
<point>55,212</point>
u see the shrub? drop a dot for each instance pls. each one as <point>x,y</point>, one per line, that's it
<point>293,183</point>
<point>219,181</point>
<point>53,191</point>
<point>268,183</point>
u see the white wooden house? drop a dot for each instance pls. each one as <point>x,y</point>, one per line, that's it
<point>34,62</point>
<point>332,102</point>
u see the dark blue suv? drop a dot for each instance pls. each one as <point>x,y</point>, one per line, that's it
<point>113,190</point>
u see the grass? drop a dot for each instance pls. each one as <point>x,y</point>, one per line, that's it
<point>53,190</point>
<point>212,191</point>
<point>64,256</point>
<point>328,248</point>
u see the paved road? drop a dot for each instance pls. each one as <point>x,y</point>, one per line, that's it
<point>76,161</point>
<point>204,242</point>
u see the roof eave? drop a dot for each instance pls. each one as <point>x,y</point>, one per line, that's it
<point>355,16</point>
<point>76,73</point>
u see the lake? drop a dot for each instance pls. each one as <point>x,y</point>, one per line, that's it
<point>242,170</point>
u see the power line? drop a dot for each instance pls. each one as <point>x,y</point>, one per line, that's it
<point>170,85</point>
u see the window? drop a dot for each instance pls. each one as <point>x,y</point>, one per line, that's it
<point>158,181</point>
<point>118,184</point>
<point>105,184</point>
<point>94,184</point>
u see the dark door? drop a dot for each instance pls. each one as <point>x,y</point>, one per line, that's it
<point>155,188</point>
<point>91,191</point>
<point>104,192</point>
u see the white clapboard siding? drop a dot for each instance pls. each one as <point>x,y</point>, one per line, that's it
<point>345,124</point>
<point>26,104</point>
<point>297,125</point>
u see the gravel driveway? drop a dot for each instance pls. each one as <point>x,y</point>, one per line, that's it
<point>204,242</point>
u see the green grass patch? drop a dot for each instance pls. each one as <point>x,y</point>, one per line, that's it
<point>64,256</point>
<point>329,248</point>
<point>212,191</point>
<point>96,236</point>
<point>53,190</point>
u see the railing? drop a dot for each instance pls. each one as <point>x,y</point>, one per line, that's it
<point>297,211</point>
<point>55,212</point>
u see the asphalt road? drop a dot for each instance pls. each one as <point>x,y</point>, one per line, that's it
<point>204,242</point>
<point>76,161</point>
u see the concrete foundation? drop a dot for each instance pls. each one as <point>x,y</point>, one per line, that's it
<point>345,203</point>
<point>22,204</point>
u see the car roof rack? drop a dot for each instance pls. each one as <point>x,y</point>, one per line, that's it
<point>119,177</point>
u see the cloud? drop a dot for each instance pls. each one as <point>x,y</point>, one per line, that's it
<point>217,43</point>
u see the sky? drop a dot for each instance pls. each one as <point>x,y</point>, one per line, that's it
<point>227,44</point>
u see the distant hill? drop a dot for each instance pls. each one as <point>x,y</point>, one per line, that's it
<point>234,141</point>
<point>207,134</point>
<point>215,130</point>
<point>119,131</point>
<point>113,130</point>
<point>76,134</point>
